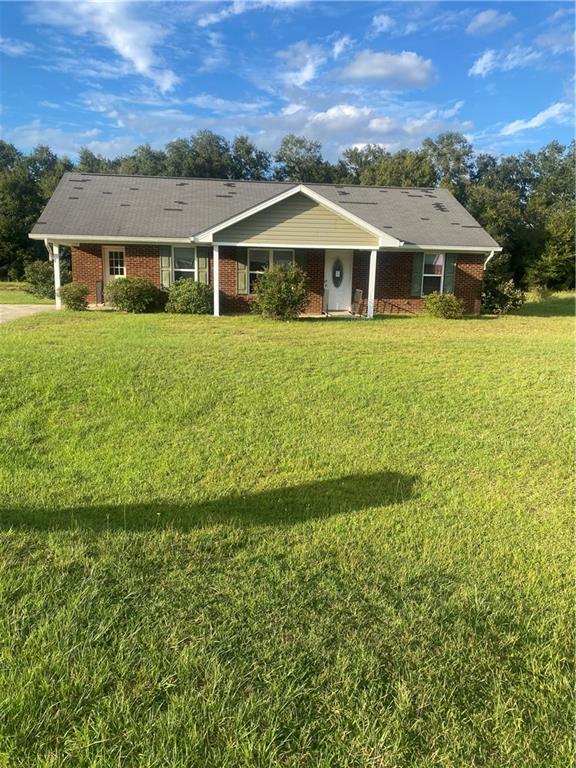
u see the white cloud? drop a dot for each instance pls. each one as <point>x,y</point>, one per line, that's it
<point>493,61</point>
<point>340,45</point>
<point>410,18</point>
<point>238,7</point>
<point>60,140</point>
<point>115,25</point>
<point>15,47</point>
<point>216,104</point>
<point>484,64</point>
<point>215,52</point>
<point>405,70</point>
<point>341,117</point>
<point>382,23</point>
<point>384,125</point>
<point>304,62</point>
<point>488,21</point>
<point>557,41</point>
<point>560,112</point>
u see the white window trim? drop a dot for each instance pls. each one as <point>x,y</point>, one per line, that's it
<point>173,270</point>
<point>270,260</point>
<point>429,275</point>
<point>106,252</point>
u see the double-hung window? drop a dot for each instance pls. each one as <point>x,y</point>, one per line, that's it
<point>116,265</point>
<point>432,273</point>
<point>260,259</point>
<point>184,261</point>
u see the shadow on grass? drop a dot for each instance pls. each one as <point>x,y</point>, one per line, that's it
<point>556,306</point>
<point>276,507</point>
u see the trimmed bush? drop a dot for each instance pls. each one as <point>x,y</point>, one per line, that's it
<point>501,298</point>
<point>444,305</point>
<point>190,297</point>
<point>135,294</point>
<point>74,296</point>
<point>281,293</point>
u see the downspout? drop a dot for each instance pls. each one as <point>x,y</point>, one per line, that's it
<point>489,257</point>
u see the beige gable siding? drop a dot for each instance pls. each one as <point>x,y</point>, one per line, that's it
<point>298,220</point>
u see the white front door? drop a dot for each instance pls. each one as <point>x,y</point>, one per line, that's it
<point>114,263</point>
<point>338,279</point>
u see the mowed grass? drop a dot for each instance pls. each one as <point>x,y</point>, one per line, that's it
<point>231,543</point>
<point>16,293</point>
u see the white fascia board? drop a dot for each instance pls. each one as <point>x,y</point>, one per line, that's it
<point>383,238</point>
<point>479,249</point>
<point>119,239</point>
<point>296,246</point>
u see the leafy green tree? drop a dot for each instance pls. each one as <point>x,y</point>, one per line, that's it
<point>249,162</point>
<point>210,155</point>
<point>403,169</point>
<point>9,155</point>
<point>21,203</point>
<point>554,268</point>
<point>88,162</point>
<point>179,158</point>
<point>355,161</point>
<point>300,159</point>
<point>451,156</point>
<point>144,161</point>
<point>46,169</point>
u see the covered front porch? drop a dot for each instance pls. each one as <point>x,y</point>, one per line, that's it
<point>337,277</point>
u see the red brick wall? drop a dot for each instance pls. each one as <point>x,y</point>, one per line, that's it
<point>468,285</point>
<point>230,301</point>
<point>143,261</point>
<point>87,267</point>
<point>394,282</point>
<point>313,265</point>
<point>140,261</point>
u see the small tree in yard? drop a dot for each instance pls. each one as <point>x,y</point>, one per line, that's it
<point>281,293</point>
<point>40,278</point>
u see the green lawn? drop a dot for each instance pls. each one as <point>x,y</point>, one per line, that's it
<point>15,293</point>
<point>230,543</point>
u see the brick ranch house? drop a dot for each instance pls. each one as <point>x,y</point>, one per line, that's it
<point>393,244</point>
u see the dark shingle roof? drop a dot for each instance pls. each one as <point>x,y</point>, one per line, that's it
<point>101,205</point>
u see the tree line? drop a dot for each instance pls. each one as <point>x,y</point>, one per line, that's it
<point>526,201</point>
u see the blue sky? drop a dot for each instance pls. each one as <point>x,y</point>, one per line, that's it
<point>112,75</point>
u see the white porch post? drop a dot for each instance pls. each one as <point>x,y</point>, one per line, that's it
<point>56,263</point>
<point>372,283</point>
<point>216,280</point>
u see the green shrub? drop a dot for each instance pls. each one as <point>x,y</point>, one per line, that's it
<point>74,296</point>
<point>135,294</point>
<point>444,305</point>
<point>40,278</point>
<point>281,293</point>
<point>190,297</point>
<point>501,298</point>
